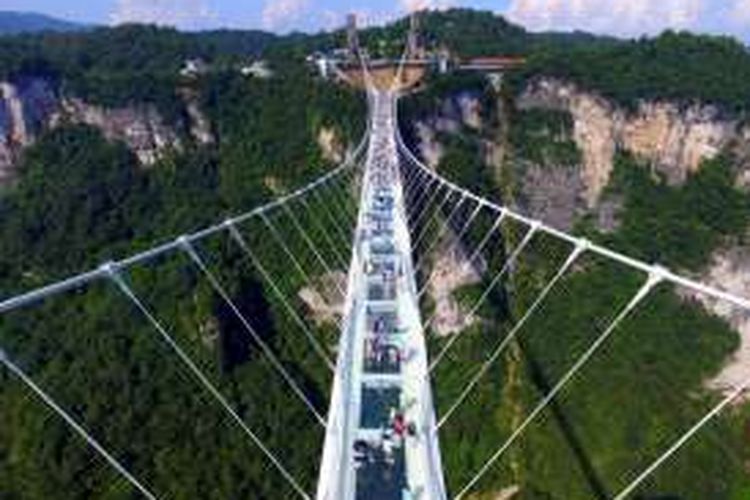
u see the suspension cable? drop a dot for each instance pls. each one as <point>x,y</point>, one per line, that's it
<point>78,428</point>
<point>328,238</point>
<point>242,243</point>
<point>427,205</point>
<point>654,278</point>
<point>444,228</point>
<point>423,198</point>
<point>290,255</point>
<point>285,248</point>
<point>575,253</point>
<point>313,248</point>
<point>192,252</point>
<point>428,211</point>
<point>406,176</point>
<point>490,233</point>
<point>418,175</point>
<point>458,239</point>
<point>506,267</point>
<point>79,280</point>
<point>337,224</point>
<point>115,276</point>
<point>348,202</point>
<point>341,206</point>
<point>435,216</point>
<point>679,443</point>
<point>411,180</point>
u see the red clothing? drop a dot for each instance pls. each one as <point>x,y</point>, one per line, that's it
<point>399,426</point>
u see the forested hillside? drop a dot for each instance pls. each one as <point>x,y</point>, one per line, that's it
<point>81,200</point>
<point>679,66</point>
<point>650,381</point>
<point>131,63</point>
<point>12,23</point>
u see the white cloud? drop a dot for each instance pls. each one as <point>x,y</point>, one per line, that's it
<point>367,18</point>
<point>330,19</point>
<point>740,13</point>
<point>619,17</point>
<point>282,14</point>
<point>417,5</point>
<point>187,14</point>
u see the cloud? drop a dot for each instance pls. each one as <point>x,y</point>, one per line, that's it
<point>331,20</point>
<point>619,17</point>
<point>186,14</point>
<point>282,14</point>
<point>417,5</point>
<point>367,18</point>
<point>740,13</point>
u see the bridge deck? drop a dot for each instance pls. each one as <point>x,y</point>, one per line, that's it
<point>380,441</point>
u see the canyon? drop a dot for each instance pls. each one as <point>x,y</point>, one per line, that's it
<point>29,106</point>
<point>672,139</point>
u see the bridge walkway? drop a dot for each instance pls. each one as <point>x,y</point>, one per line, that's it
<point>380,440</point>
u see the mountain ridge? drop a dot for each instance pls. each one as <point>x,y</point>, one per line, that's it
<point>18,22</point>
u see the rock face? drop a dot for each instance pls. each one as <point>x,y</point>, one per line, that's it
<point>331,145</point>
<point>451,270</point>
<point>200,126</point>
<point>675,140</point>
<point>730,270</point>
<point>28,106</point>
<point>468,108</point>
<point>430,148</point>
<point>742,155</point>
<point>141,128</point>
<point>323,300</point>
<point>25,107</point>
<point>463,109</point>
<point>552,194</point>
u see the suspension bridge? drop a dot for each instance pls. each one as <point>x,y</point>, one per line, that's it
<point>381,429</point>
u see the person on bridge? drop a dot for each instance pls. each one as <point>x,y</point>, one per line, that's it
<point>398,424</point>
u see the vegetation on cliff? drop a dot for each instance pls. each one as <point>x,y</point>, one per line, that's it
<point>124,65</point>
<point>679,67</point>
<point>81,201</point>
<point>676,66</point>
<point>645,386</point>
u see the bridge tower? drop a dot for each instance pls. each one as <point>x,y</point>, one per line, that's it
<point>414,49</point>
<point>352,36</point>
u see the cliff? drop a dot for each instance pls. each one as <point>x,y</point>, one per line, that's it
<point>25,107</point>
<point>450,267</point>
<point>140,127</point>
<point>331,145</point>
<point>28,106</point>
<point>674,139</point>
<point>458,111</point>
<point>730,270</point>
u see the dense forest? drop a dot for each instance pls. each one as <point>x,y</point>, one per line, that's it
<point>130,63</point>
<point>81,200</point>
<point>678,66</point>
<point>648,383</point>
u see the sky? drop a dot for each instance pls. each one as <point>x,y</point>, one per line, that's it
<point>615,17</point>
